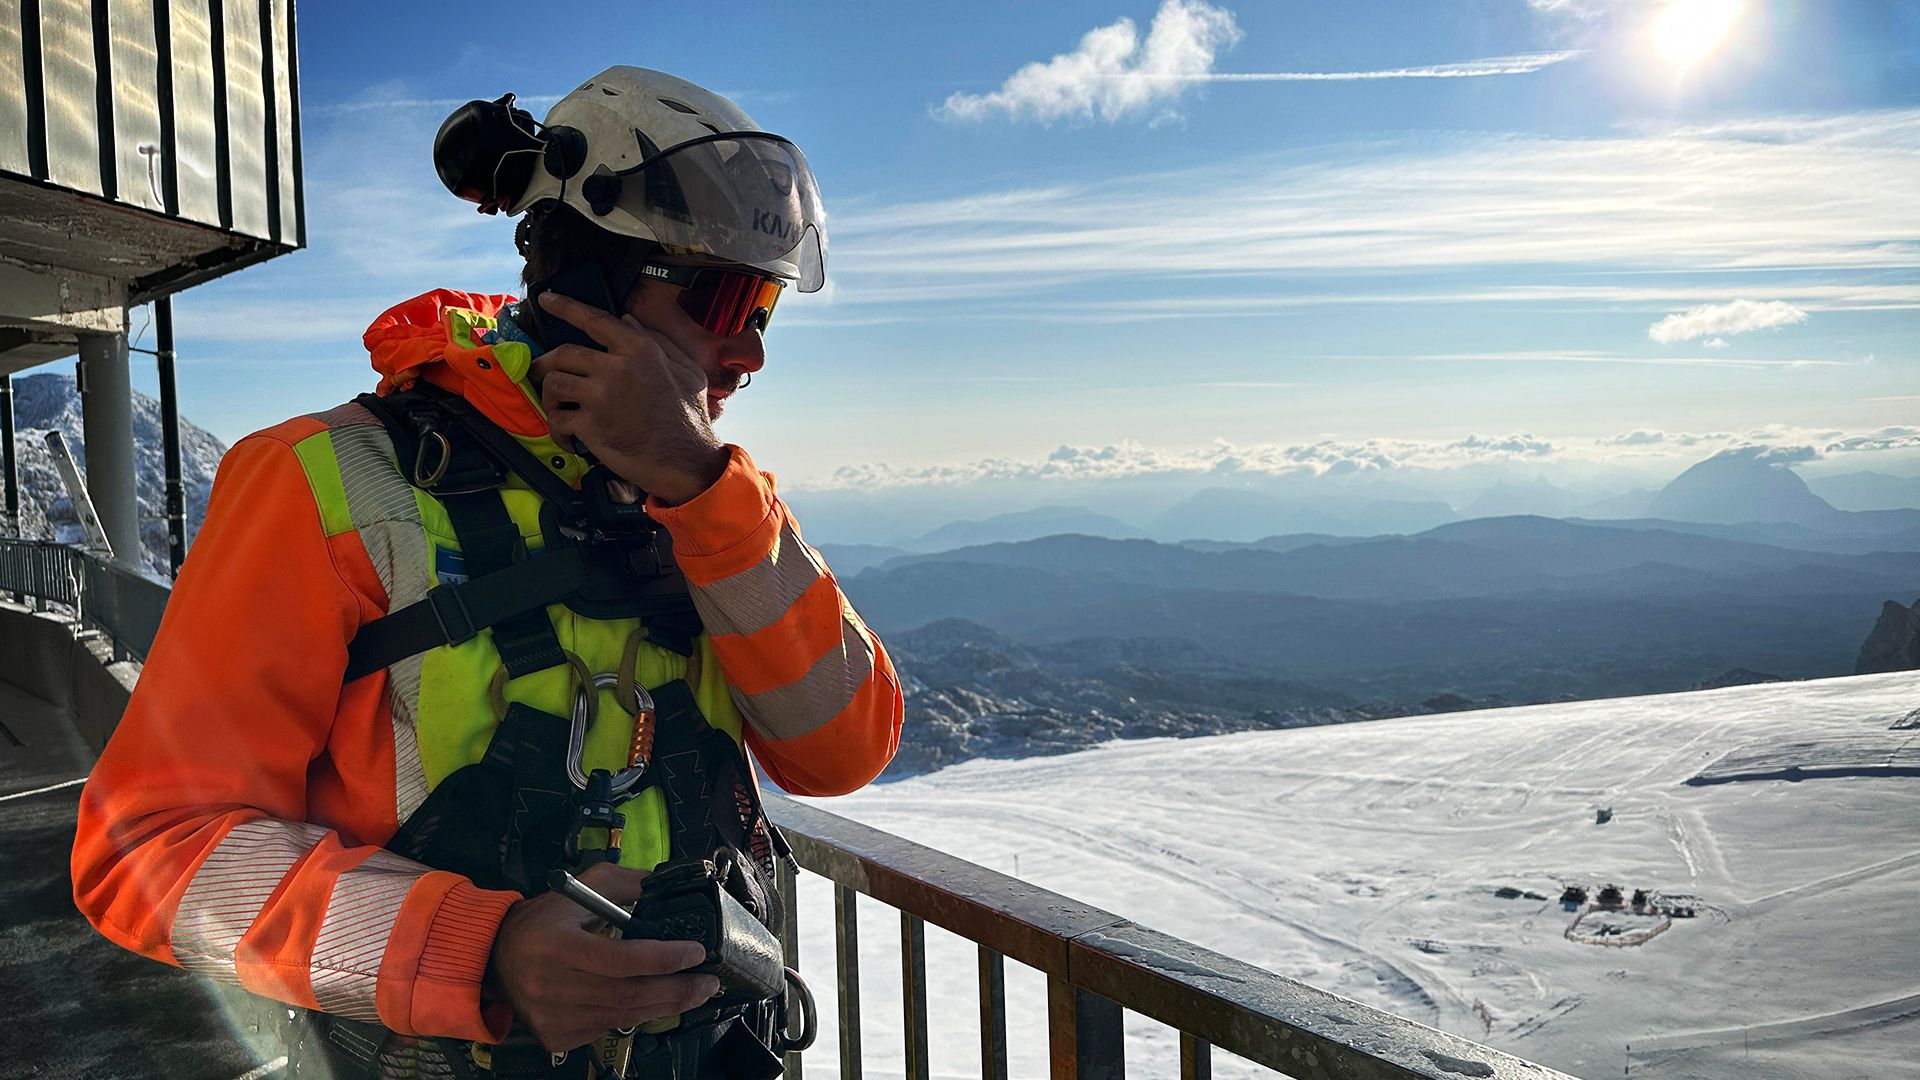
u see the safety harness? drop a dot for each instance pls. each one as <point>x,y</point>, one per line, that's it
<point>526,807</point>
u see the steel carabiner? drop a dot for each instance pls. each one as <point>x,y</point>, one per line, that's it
<point>627,778</point>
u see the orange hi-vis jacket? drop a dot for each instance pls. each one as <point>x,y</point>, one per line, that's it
<point>234,824</point>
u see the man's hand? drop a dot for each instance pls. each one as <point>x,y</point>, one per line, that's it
<point>640,406</point>
<point>568,984</point>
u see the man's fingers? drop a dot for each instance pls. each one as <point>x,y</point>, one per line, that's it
<point>599,325</point>
<point>622,959</point>
<point>620,884</point>
<point>574,359</point>
<point>565,390</point>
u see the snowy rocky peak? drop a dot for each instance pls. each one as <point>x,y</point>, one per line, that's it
<point>51,402</point>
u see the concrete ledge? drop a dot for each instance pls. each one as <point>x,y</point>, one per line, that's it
<point>70,669</point>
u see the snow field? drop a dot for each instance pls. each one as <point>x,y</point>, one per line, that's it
<point>1362,859</point>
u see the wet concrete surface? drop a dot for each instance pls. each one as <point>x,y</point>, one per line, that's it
<point>72,1004</point>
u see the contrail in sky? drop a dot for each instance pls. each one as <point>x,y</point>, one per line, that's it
<point>1522,64</point>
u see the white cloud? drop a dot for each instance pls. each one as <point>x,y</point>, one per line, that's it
<point>1326,457</point>
<point>1716,343</point>
<point>1113,74</point>
<point>1223,461</point>
<point>1646,437</point>
<point>1738,317</point>
<point>1887,438</point>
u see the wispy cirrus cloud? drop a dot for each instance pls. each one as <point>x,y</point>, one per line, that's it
<point>1798,196</point>
<point>1519,64</point>
<point>1114,73</point>
<point>1736,317</point>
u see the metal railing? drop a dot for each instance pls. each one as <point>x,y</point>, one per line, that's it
<point>126,606</point>
<point>1097,965</point>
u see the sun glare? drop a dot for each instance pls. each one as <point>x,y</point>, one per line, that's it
<point>1685,31</point>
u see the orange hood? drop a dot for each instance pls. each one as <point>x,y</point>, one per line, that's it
<point>435,337</point>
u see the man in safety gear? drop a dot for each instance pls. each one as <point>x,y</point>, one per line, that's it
<point>520,611</point>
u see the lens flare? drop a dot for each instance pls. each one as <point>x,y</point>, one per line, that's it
<point>1685,31</point>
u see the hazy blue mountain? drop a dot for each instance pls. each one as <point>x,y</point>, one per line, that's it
<point>1383,516</point>
<point>1737,486</point>
<point>1527,608</point>
<point>1842,532</point>
<point>1630,504</point>
<point>1233,514</point>
<point>847,560</point>
<point>1024,525</point>
<point>1868,491</point>
<point>1508,498</point>
<point>1492,556</point>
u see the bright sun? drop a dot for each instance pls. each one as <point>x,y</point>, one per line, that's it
<point>1685,31</point>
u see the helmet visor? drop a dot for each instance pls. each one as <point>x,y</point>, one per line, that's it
<point>745,197</point>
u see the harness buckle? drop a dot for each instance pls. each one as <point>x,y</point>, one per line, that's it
<point>450,611</point>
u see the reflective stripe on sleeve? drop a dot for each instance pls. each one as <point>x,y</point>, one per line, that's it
<point>756,598</point>
<point>231,887</point>
<point>809,703</point>
<point>353,935</point>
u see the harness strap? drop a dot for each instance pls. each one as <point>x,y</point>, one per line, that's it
<point>503,447</point>
<point>453,613</point>
<point>491,542</point>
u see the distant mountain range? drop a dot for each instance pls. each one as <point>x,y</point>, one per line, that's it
<point>1868,490</point>
<point>1731,488</point>
<point>1525,608</point>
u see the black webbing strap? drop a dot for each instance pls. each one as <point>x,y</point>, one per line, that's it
<point>454,613</point>
<point>502,446</point>
<point>489,543</point>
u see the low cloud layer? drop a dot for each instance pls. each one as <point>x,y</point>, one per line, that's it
<point>1738,317</point>
<point>1346,457</point>
<point>1114,73</point>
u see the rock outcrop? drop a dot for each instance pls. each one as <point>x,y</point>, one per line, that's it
<point>1894,644</point>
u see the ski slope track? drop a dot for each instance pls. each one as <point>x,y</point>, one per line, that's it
<point>1365,858</point>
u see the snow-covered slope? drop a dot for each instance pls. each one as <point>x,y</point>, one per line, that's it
<point>1365,859</point>
<point>49,401</point>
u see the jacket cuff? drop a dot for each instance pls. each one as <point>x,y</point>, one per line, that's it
<point>728,527</point>
<point>453,963</point>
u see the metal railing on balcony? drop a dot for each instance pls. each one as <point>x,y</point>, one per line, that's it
<point>126,606</point>
<point>1097,964</point>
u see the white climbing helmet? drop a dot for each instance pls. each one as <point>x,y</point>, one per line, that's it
<point>648,155</point>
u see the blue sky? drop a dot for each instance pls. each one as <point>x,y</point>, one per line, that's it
<point>1084,240</point>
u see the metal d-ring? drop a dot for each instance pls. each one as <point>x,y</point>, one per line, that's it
<point>809,1022</point>
<point>626,779</point>
<point>423,477</point>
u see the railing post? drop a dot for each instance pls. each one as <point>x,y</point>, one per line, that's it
<point>176,492</point>
<point>993,1015</point>
<point>790,943</point>
<point>1196,1058</point>
<point>846,947</point>
<point>6,455</point>
<point>1085,1040</point>
<point>913,992</point>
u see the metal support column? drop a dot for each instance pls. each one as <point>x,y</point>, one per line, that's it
<point>12,526</point>
<point>170,434</point>
<point>106,404</point>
